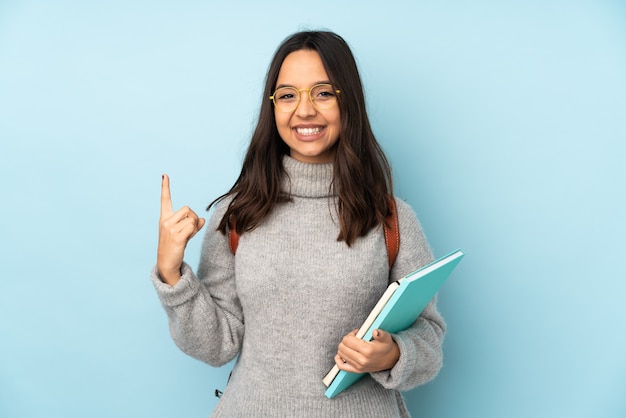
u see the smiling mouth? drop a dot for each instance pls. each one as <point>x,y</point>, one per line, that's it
<point>309,131</point>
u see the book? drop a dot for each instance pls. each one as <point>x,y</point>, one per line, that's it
<point>328,379</point>
<point>396,310</point>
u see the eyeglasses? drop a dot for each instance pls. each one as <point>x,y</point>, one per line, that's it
<point>322,96</point>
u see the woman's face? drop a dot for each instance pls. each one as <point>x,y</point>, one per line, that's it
<point>309,132</point>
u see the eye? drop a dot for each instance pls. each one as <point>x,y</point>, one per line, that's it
<point>286,94</point>
<point>324,92</point>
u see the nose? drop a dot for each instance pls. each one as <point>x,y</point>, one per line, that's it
<point>305,108</point>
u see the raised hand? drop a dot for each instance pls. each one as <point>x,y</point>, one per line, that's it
<point>175,231</point>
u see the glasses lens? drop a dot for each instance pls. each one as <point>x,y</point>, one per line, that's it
<point>286,98</point>
<point>324,96</point>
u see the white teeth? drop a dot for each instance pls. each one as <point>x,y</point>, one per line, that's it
<point>308,131</point>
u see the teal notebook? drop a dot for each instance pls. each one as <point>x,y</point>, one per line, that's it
<point>403,307</point>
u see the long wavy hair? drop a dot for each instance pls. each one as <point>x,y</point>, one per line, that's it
<point>362,176</point>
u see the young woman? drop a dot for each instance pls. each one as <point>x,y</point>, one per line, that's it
<point>309,208</point>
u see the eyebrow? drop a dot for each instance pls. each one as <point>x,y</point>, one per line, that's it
<point>314,84</point>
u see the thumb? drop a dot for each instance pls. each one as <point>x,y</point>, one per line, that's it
<point>201,222</point>
<point>382,336</point>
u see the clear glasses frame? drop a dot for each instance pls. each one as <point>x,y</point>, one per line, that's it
<point>322,96</point>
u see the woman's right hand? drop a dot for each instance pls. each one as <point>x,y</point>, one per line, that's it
<point>175,231</point>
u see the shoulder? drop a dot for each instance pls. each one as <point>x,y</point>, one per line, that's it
<point>402,206</point>
<point>406,215</point>
<point>217,211</point>
<point>215,247</point>
<point>414,248</point>
<point>407,219</point>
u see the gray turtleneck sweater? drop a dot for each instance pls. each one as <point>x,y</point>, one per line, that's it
<point>286,299</point>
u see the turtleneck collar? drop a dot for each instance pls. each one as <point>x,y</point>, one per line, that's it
<point>307,179</point>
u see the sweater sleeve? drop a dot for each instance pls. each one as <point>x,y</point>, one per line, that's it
<point>420,345</point>
<point>204,313</point>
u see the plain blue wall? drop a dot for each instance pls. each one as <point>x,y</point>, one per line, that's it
<point>505,123</point>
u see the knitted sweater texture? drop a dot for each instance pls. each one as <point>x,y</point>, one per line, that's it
<point>285,300</point>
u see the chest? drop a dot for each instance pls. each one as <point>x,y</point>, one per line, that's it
<point>293,263</point>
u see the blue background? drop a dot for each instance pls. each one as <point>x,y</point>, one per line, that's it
<point>505,124</point>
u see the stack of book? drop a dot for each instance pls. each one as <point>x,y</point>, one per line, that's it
<point>397,309</point>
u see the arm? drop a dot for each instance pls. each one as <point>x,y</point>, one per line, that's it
<point>204,313</point>
<point>420,357</point>
<point>420,346</point>
<point>414,356</point>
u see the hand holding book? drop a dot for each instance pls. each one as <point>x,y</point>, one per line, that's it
<point>396,310</point>
<point>358,356</point>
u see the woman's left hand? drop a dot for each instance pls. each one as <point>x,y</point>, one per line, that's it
<point>358,356</point>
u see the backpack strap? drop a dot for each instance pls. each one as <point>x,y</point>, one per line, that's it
<point>391,229</point>
<point>392,233</point>
<point>233,236</point>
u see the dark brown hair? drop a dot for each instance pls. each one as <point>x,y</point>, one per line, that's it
<point>362,176</point>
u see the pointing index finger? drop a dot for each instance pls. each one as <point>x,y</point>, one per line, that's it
<point>166,199</point>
